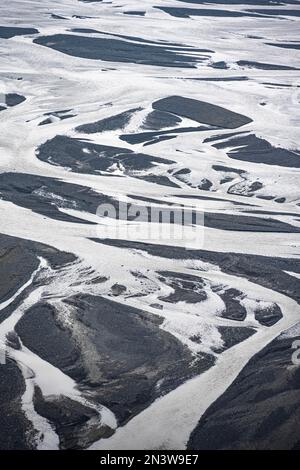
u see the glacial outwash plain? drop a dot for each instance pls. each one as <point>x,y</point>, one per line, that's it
<point>129,329</point>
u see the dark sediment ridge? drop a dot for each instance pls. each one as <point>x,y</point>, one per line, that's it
<point>260,410</point>
<point>200,111</point>
<point>117,50</point>
<point>16,431</point>
<point>118,352</point>
<point>7,32</point>
<point>250,148</point>
<point>85,157</point>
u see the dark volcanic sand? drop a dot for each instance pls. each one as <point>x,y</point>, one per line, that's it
<point>117,50</point>
<point>260,410</point>
<point>200,111</point>
<point>7,32</point>
<point>188,12</point>
<point>41,332</point>
<point>123,352</point>
<point>16,267</point>
<point>157,120</point>
<point>77,425</point>
<point>118,352</point>
<point>263,66</point>
<point>243,2</point>
<point>187,288</point>
<point>18,259</point>
<point>70,152</point>
<point>135,13</point>
<point>234,310</point>
<point>232,335</point>
<point>13,99</point>
<point>251,148</point>
<point>112,123</point>
<point>38,193</point>
<point>284,45</point>
<point>148,136</point>
<point>275,12</point>
<point>15,430</point>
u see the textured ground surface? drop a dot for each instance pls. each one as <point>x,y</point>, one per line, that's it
<point>117,328</point>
